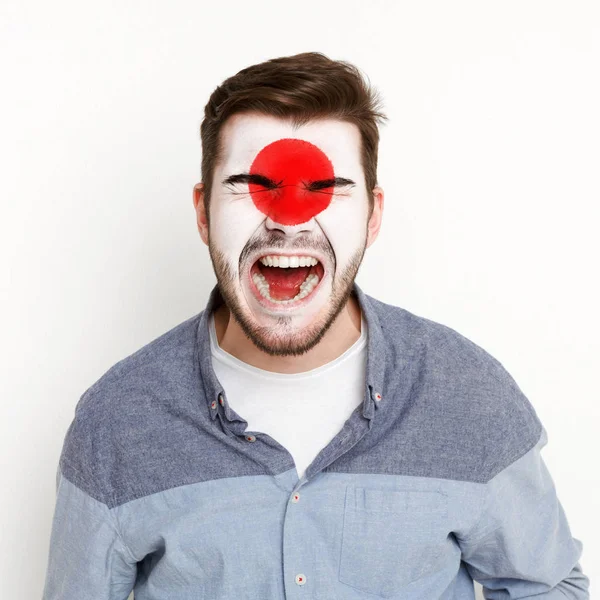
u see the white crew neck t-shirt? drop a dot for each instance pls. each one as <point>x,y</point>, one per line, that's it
<point>301,411</point>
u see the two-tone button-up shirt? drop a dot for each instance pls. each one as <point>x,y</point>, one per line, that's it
<point>435,480</point>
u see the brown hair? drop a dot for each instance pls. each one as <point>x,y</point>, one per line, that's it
<point>300,87</point>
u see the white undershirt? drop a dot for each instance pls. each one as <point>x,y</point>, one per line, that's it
<point>301,411</point>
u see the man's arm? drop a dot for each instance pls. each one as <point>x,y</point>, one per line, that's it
<point>87,557</point>
<point>521,545</point>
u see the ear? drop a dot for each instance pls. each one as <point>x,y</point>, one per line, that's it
<point>375,219</point>
<point>200,212</point>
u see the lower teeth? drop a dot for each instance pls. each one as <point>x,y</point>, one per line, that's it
<point>307,286</point>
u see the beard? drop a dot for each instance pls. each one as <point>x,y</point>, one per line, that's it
<point>281,339</point>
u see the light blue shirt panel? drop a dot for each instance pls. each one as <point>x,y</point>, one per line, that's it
<point>350,536</point>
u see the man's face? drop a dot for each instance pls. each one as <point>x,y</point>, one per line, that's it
<point>288,226</point>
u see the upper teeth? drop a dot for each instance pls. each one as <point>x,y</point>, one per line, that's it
<point>288,261</point>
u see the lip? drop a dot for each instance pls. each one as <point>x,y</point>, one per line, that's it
<point>275,307</point>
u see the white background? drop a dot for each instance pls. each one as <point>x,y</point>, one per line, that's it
<point>489,164</point>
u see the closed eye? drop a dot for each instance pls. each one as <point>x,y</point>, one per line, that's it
<point>318,186</point>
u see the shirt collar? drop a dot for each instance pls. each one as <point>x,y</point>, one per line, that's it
<point>216,396</point>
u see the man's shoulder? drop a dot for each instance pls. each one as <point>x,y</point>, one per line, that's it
<point>162,356</point>
<point>455,382</point>
<point>134,395</point>
<point>409,333</point>
<point>161,368</point>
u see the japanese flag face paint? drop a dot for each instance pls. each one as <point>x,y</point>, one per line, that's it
<point>288,226</point>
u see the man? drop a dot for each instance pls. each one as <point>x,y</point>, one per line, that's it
<point>299,438</point>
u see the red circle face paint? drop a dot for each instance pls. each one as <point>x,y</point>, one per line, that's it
<point>292,164</point>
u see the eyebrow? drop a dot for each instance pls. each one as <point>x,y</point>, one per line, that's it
<point>258,179</point>
<point>326,183</point>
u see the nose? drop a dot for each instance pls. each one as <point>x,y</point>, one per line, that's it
<point>290,230</point>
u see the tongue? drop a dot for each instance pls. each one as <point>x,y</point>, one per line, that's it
<point>284,284</point>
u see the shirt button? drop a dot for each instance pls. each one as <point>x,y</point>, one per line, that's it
<point>300,579</point>
<point>250,438</point>
<point>213,404</point>
<point>221,399</point>
<point>377,396</point>
<point>295,497</point>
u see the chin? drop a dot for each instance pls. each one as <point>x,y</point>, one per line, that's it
<point>280,331</point>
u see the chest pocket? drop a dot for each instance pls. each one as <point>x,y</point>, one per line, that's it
<point>391,538</point>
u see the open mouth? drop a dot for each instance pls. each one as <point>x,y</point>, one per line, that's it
<point>285,279</point>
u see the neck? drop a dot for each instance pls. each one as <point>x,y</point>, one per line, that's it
<point>340,336</point>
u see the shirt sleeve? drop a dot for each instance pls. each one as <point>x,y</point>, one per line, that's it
<point>521,545</point>
<point>87,557</point>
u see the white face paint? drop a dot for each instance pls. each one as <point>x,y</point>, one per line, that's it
<point>274,208</point>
